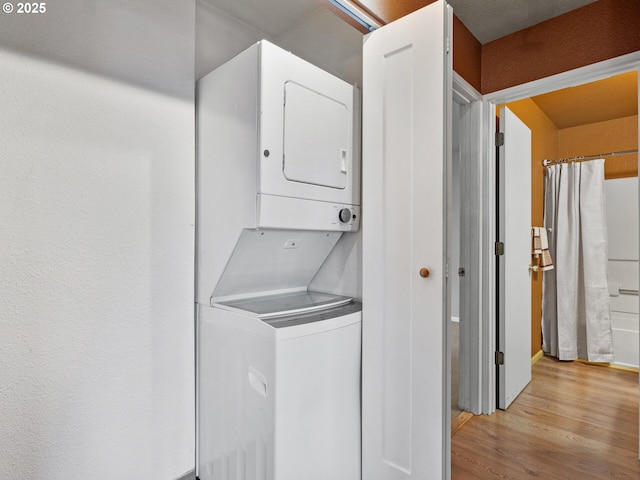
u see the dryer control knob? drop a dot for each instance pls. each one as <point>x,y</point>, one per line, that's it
<point>344,215</point>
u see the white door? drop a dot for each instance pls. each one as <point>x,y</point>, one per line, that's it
<point>406,110</point>
<point>514,283</point>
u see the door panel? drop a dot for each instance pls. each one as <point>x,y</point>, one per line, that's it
<point>316,140</point>
<point>514,305</point>
<point>406,102</point>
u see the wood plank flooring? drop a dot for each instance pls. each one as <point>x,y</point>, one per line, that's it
<point>573,421</point>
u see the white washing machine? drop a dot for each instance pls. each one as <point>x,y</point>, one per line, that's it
<point>279,388</point>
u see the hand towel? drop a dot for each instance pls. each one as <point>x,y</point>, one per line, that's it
<point>545,263</point>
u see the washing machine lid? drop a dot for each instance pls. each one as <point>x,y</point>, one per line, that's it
<point>286,304</point>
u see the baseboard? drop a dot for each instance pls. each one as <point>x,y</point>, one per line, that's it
<point>458,422</point>
<point>537,357</point>
<point>609,365</point>
<point>190,475</point>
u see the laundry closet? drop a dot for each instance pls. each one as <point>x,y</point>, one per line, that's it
<point>278,322</point>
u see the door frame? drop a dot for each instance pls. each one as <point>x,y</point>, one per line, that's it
<point>473,373</point>
<point>579,76</point>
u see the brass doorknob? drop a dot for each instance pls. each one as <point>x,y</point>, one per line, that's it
<point>424,272</point>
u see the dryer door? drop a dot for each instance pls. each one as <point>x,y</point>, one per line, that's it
<point>316,137</point>
<point>306,131</point>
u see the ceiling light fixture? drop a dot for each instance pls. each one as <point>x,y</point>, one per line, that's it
<point>356,13</point>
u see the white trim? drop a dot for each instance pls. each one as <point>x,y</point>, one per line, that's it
<point>579,76</point>
<point>488,239</point>
<point>463,91</point>
<point>357,13</point>
<point>472,348</point>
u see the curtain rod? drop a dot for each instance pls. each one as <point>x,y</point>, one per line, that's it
<point>546,163</point>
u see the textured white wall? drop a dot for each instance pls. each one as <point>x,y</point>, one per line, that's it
<point>328,42</point>
<point>96,241</point>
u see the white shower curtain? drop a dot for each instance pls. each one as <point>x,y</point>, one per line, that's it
<point>575,302</point>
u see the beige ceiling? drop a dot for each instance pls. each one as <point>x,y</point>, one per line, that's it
<point>607,99</point>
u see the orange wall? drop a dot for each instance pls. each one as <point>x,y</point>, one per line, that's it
<point>603,137</point>
<point>467,53</point>
<point>599,31</point>
<point>544,145</point>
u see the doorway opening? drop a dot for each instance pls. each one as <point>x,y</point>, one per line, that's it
<point>572,78</point>
<point>594,119</point>
<point>538,403</point>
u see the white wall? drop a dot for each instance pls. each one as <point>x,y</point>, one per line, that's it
<point>220,37</point>
<point>328,42</point>
<point>96,244</point>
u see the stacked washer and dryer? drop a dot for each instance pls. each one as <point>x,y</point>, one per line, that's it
<point>278,365</point>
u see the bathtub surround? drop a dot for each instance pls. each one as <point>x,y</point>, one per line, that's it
<point>622,229</point>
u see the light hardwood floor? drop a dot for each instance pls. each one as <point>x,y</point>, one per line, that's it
<point>573,421</point>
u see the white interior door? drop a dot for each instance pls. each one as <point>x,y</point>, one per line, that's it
<point>514,283</point>
<point>406,110</point>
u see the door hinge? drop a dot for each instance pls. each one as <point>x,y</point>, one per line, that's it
<point>499,139</point>
<point>448,44</point>
<point>461,272</point>
<point>499,248</point>
<point>499,358</point>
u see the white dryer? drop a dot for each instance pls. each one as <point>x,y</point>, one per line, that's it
<point>277,148</point>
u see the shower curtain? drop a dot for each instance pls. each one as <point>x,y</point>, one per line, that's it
<point>575,301</point>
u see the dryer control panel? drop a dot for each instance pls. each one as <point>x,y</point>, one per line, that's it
<point>297,213</point>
